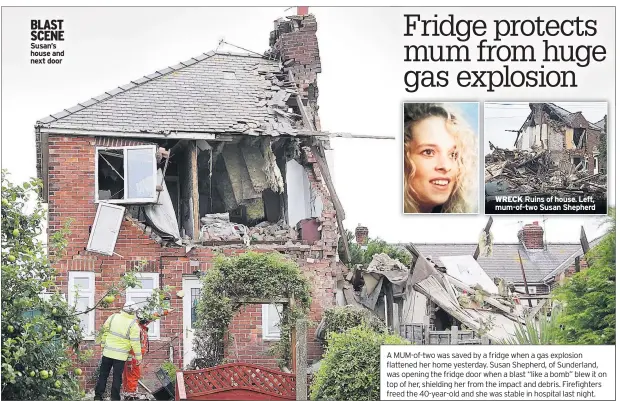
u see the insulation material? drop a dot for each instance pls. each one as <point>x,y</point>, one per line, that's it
<point>271,169</point>
<point>255,209</point>
<point>161,215</point>
<point>255,163</point>
<point>466,269</point>
<point>238,174</point>
<point>224,187</point>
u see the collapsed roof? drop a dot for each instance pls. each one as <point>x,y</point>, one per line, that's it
<point>464,291</point>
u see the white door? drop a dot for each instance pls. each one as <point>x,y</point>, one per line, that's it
<point>191,287</point>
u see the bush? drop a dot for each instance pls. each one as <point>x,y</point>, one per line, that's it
<point>342,318</point>
<point>350,369</point>
<point>171,370</point>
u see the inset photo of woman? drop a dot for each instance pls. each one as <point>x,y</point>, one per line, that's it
<point>441,157</point>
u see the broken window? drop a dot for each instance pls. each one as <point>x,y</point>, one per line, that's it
<point>578,137</point>
<point>579,163</point>
<point>105,229</point>
<point>126,175</point>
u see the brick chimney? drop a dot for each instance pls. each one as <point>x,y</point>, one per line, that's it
<point>293,41</point>
<point>532,236</point>
<point>361,235</point>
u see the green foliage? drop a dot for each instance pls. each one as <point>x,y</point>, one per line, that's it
<point>541,331</point>
<point>247,276</point>
<point>171,370</point>
<point>40,334</point>
<point>375,246</point>
<point>36,332</point>
<point>589,297</point>
<point>342,318</point>
<point>350,369</point>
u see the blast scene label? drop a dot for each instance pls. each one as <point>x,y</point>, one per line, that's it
<point>43,35</point>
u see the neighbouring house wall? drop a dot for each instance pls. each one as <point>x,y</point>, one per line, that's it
<point>72,186</point>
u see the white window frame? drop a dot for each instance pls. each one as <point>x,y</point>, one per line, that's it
<point>90,293</point>
<point>270,335</point>
<point>130,293</point>
<point>125,149</point>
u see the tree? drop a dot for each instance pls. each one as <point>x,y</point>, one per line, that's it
<point>37,331</point>
<point>589,297</point>
<point>41,333</point>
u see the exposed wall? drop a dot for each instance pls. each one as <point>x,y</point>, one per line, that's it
<point>72,175</point>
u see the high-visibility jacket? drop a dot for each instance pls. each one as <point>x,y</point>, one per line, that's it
<point>121,334</point>
<point>132,371</point>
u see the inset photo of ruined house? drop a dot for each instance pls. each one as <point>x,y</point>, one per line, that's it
<point>440,157</point>
<point>546,158</point>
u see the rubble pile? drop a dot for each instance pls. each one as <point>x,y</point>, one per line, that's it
<point>218,227</point>
<point>267,231</point>
<point>533,171</point>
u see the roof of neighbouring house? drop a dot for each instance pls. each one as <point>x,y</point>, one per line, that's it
<point>504,261</point>
<point>212,93</point>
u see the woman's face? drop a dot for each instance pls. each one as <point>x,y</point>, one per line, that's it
<point>433,152</point>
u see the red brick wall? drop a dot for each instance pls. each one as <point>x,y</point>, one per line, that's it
<point>71,196</point>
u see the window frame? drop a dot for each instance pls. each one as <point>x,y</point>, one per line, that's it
<point>267,335</point>
<point>90,293</point>
<point>130,293</point>
<point>94,232</point>
<point>125,149</point>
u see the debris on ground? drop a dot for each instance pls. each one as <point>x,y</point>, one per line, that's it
<point>534,172</point>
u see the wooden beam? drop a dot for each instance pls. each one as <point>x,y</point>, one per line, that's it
<point>527,288</point>
<point>193,156</point>
<point>389,298</point>
<point>487,228</point>
<point>585,247</point>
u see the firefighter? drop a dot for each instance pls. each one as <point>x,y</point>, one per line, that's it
<point>132,372</point>
<point>120,335</point>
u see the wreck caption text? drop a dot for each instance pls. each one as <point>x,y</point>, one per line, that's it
<point>523,372</point>
<point>46,38</point>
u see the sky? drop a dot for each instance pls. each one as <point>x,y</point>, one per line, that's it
<point>361,91</point>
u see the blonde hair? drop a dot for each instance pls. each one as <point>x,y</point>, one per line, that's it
<point>461,198</point>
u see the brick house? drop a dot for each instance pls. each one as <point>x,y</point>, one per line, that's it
<point>572,141</point>
<point>138,168</point>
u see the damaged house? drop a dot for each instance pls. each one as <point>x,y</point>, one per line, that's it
<point>483,290</point>
<point>572,141</point>
<point>556,153</point>
<point>218,154</point>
